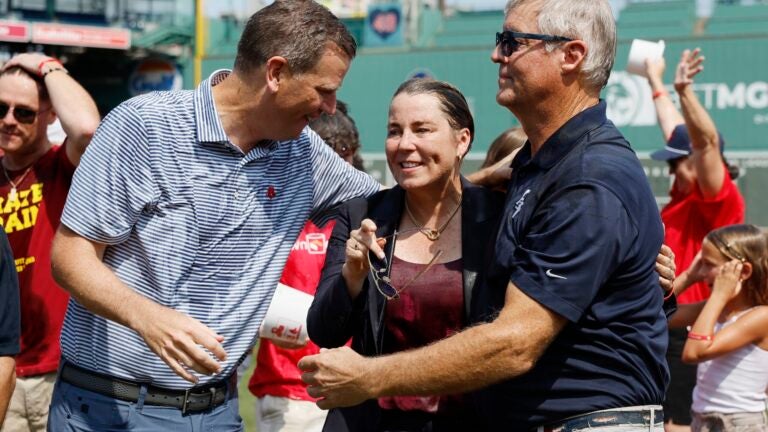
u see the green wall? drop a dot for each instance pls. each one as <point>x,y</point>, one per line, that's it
<point>733,86</point>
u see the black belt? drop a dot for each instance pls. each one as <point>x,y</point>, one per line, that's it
<point>190,400</point>
<point>605,418</point>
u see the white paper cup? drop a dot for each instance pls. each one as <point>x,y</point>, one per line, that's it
<point>286,317</point>
<point>640,51</point>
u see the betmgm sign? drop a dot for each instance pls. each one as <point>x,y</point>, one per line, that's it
<point>740,109</point>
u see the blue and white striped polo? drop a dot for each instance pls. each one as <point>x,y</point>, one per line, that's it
<point>192,223</point>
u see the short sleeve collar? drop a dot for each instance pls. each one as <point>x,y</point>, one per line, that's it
<point>568,136</point>
<point>209,128</point>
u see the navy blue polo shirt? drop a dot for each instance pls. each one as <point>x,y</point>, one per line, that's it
<point>580,234</point>
<point>10,324</point>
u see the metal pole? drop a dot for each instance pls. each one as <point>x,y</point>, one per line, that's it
<point>413,22</point>
<point>199,41</point>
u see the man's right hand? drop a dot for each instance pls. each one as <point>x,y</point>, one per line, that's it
<point>179,340</point>
<point>654,69</point>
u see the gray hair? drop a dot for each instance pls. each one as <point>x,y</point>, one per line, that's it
<point>588,20</point>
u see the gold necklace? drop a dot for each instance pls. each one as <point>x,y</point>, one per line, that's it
<point>13,193</point>
<point>432,234</point>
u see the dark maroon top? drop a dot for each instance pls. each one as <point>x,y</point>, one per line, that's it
<point>429,309</point>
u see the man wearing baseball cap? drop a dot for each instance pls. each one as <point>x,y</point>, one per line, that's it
<point>703,197</point>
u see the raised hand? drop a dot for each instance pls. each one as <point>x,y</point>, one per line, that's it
<point>360,242</point>
<point>691,63</point>
<point>30,62</point>
<point>654,68</point>
<point>728,281</point>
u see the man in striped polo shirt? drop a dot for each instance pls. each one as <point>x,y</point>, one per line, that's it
<point>180,219</point>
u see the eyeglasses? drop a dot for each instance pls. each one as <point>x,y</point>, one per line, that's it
<point>509,40</point>
<point>22,115</point>
<point>727,249</point>
<point>380,270</point>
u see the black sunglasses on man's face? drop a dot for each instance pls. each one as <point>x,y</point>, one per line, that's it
<point>22,115</point>
<point>509,40</point>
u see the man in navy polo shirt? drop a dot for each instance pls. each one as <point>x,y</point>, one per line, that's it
<point>571,329</point>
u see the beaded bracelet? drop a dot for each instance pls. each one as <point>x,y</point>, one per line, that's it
<point>701,337</point>
<point>658,93</point>
<point>49,60</point>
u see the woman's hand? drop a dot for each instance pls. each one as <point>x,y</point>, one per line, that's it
<point>361,241</point>
<point>728,281</point>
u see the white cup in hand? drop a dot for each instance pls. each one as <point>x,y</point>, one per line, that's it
<point>640,51</point>
<point>286,317</point>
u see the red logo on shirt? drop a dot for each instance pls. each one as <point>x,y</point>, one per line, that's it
<point>271,192</point>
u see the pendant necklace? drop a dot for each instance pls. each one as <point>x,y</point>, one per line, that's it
<point>432,234</point>
<point>13,193</point>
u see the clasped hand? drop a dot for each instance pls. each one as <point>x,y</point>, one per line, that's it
<point>339,377</point>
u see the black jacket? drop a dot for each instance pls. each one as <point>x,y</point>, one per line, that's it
<point>334,317</point>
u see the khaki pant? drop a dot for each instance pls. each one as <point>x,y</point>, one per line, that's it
<point>278,414</point>
<point>734,422</point>
<point>28,410</point>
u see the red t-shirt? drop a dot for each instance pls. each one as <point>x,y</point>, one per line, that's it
<point>276,373</point>
<point>30,221</point>
<point>689,218</point>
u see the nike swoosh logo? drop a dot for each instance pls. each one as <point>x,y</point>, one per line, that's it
<point>556,276</point>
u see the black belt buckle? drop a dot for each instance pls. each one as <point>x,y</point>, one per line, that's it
<point>185,402</point>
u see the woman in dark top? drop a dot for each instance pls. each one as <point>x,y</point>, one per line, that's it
<point>434,228</point>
